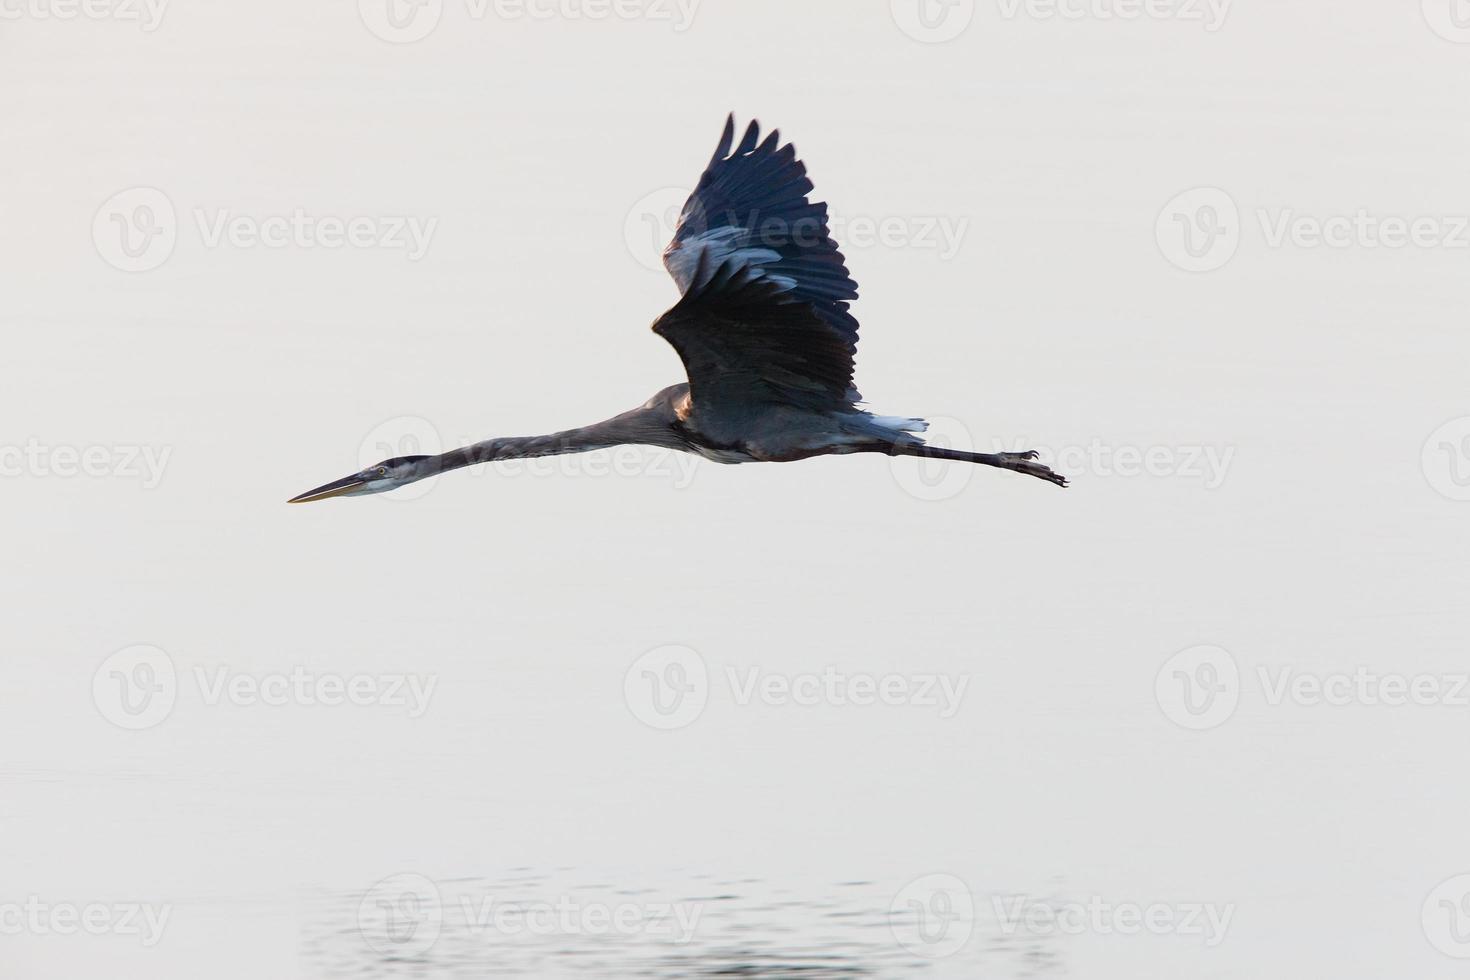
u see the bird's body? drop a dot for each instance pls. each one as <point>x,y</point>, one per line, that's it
<point>763,328</point>
<point>776,434</point>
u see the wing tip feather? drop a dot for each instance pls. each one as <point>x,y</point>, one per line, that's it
<point>727,140</point>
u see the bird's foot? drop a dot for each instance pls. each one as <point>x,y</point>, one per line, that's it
<point>1026,463</point>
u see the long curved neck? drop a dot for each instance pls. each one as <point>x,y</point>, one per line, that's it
<point>580,440</point>
<point>644,426</point>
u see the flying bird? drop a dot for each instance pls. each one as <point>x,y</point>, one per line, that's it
<point>765,333</point>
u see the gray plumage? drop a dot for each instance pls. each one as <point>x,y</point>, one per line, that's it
<point>763,327</point>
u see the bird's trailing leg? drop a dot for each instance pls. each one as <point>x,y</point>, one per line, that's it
<point>1015,462</point>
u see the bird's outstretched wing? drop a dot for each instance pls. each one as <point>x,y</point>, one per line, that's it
<point>764,314</point>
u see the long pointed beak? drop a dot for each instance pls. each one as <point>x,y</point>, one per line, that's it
<point>334,489</point>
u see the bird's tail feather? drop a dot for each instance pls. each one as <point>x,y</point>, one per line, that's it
<point>897,424</point>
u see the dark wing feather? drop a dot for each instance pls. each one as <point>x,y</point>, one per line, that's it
<point>764,317</point>
<point>747,347</point>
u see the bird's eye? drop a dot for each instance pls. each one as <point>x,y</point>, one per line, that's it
<point>382,471</point>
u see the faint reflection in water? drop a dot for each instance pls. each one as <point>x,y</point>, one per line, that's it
<point>532,924</point>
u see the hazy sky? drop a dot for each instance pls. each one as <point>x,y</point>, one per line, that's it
<point>1208,256</point>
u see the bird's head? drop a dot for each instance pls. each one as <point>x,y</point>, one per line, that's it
<point>387,475</point>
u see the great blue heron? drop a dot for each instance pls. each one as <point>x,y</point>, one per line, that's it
<point>764,332</point>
